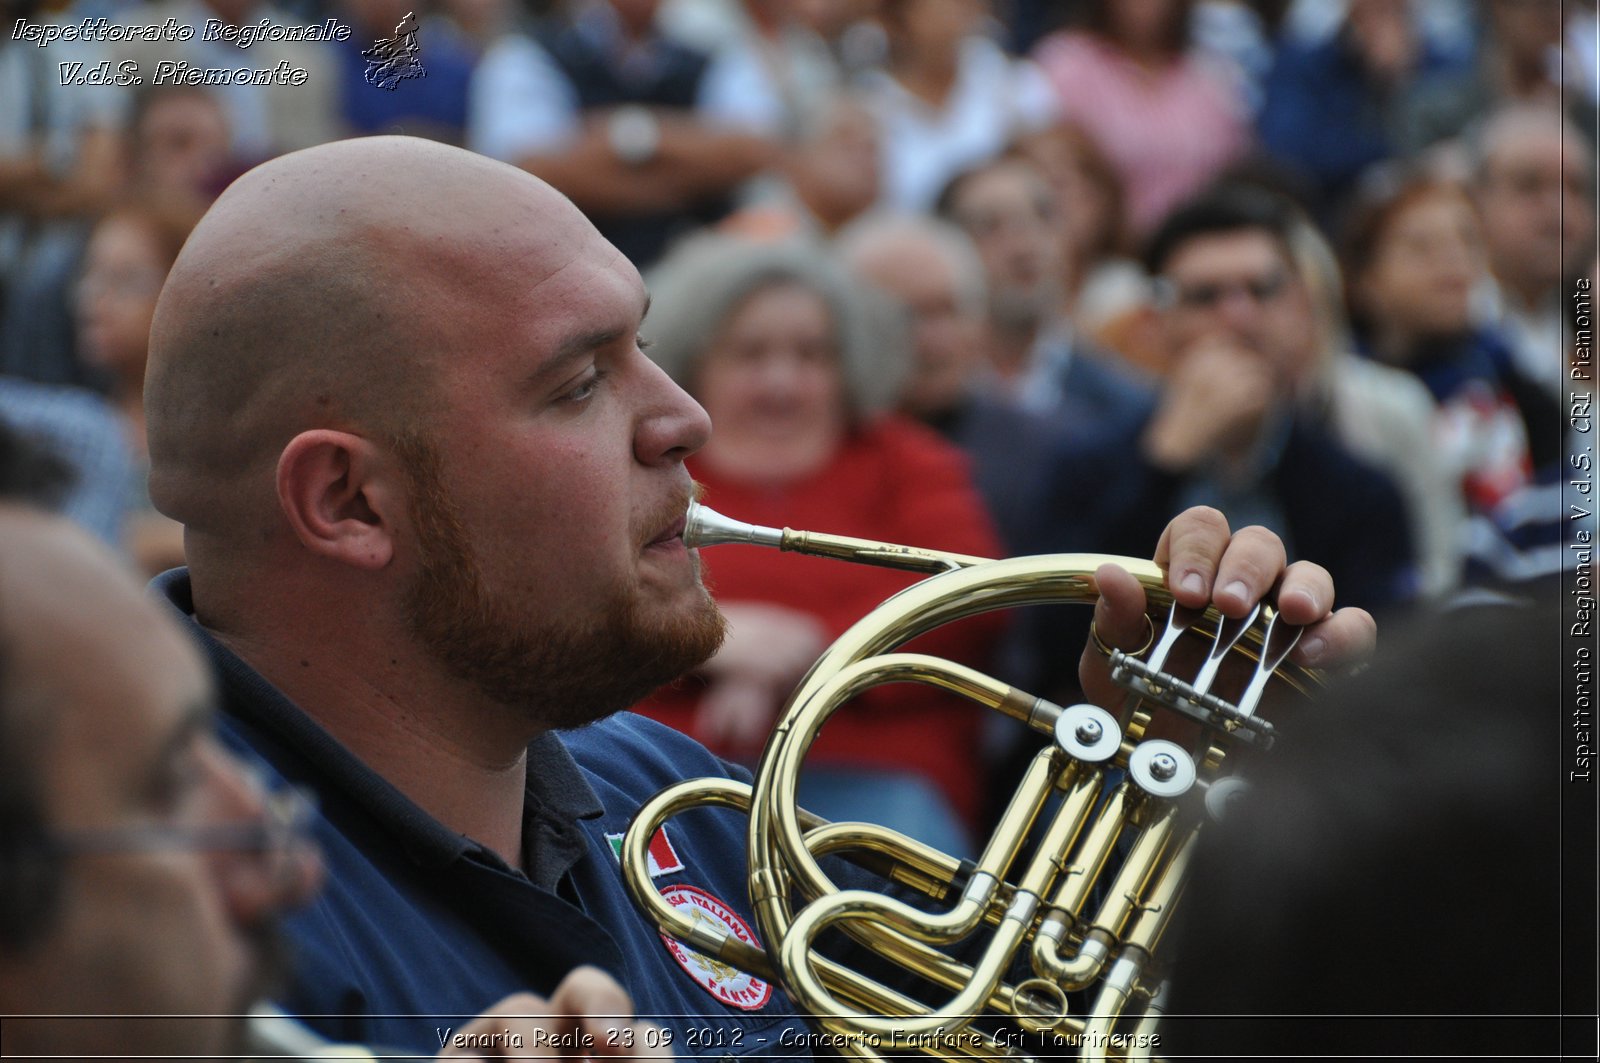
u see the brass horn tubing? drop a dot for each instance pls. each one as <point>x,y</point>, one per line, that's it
<point>694,793</point>
<point>1074,974</point>
<point>728,793</point>
<point>1135,874</point>
<point>1155,916</point>
<point>918,608</point>
<point>914,1020</point>
<point>1091,858</point>
<point>1121,896</point>
<point>989,905</point>
<point>780,840</point>
<point>869,552</point>
<point>869,849</point>
<point>1005,842</point>
<point>928,963</point>
<point>932,875</point>
<point>706,527</point>
<point>873,998</point>
<point>1155,913</point>
<point>1143,1032</point>
<point>774,828</point>
<point>911,857</point>
<point>1018,582</point>
<point>813,996</point>
<point>937,600</point>
<point>1050,579</point>
<point>936,967</point>
<point>932,965</point>
<point>985,976</point>
<point>1066,906</point>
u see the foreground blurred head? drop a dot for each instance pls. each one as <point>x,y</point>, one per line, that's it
<point>1332,905</point>
<point>396,396</point>
<point>122,907</point>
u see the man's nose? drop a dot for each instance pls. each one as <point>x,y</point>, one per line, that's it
<point>1238,307</point>
<point>671,425</point>
<point>258,886</point>
<point>283,869</point>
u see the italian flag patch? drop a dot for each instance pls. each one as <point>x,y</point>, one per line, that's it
<point>663,857</point>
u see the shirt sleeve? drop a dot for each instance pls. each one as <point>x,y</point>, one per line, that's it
<point>1035,100</point>
<point>736,93</point>
<point>519,102</point>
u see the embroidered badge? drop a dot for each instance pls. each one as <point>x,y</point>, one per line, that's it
<point>663,857</point>
<point>728,984</point>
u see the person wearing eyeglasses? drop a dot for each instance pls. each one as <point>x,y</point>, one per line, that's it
<point>144,866</point>
<point>1233,310</point>
<point>143,870</point>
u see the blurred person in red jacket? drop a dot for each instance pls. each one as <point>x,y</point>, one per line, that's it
<point>796,372</point>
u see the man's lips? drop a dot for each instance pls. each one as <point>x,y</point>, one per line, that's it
<point>673,533</point>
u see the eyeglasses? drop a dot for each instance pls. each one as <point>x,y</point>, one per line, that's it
<point>285,822</point>
<point>1261,290</point>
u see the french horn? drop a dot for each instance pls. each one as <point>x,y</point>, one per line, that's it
<point>1056,927</point>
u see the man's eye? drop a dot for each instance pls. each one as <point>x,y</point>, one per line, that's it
<point>644,343</point>
<point>586,387</point>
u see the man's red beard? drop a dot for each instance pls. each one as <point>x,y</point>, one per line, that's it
<point>558,673</point>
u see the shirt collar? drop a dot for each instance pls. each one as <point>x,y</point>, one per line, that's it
<point>558,795</point>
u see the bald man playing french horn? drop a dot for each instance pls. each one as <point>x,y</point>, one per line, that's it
<point>434,498</point>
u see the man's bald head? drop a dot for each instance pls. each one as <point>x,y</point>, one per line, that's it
<point>318,292</point>
<point>931,269</point>
<point>1534,173</point>
<point>879,249</point>
<point>1520,128</point>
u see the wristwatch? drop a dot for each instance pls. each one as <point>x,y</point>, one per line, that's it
<point>634,134</point>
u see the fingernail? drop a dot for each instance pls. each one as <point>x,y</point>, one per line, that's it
<point>1313,648</point>
<point>1238,590</point>
<point>1310,599</point>
<point>1194,583</point>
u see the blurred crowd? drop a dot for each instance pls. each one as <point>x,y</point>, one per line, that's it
<point>992,277</point>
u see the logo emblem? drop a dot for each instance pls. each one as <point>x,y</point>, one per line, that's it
<point>728,984</point>
<point>391,60</point>
<point>664,859</point>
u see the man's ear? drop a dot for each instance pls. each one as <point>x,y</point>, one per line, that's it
<point>341,497</point>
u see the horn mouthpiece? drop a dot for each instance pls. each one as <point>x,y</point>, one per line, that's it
<point>704,526</point>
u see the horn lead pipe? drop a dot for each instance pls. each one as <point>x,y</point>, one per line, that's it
<point>704,526</point>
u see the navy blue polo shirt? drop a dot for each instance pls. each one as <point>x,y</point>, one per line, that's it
<point>420,928</point>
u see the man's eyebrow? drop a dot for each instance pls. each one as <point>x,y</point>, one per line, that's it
<point>577,347</point>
